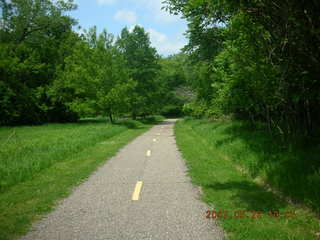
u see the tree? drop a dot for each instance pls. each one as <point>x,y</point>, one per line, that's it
<point>172,85</point>
<point>32,34</point>
<point>263,62</point>
<point>94,79</point>
<point>142,62</point>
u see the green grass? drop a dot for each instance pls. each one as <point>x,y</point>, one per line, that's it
<point>230,160</point>
<point>41,164</point>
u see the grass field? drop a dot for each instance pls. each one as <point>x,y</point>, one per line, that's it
<point>231,162</point>
<point>41,164</point>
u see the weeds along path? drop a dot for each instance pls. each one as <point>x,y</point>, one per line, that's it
<point>243,207</point>
<point>141,193</point>
<point>41,164</point>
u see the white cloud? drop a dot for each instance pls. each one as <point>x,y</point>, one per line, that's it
<point>152,12</point>
<point>156,37</point>
<point>164,44</point>
<point>126,16</point>
<point>158,14</point>
<point>103,2</point>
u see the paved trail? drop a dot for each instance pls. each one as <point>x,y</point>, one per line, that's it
<point>168,205</point>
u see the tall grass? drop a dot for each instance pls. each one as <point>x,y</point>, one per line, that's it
<point>289,165</point>
<point>228,159</point>
<point>27,150</point>
<point>41,164</point>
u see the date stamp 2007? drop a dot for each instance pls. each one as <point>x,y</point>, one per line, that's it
<point>245,214</point>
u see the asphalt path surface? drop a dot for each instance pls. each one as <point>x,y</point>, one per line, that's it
<point>141,193</point>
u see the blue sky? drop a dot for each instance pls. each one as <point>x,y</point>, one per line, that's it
<point>165,30</point>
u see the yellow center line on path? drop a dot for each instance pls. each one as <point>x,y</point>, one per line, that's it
<point>148,153</point>
<point>137,190</point>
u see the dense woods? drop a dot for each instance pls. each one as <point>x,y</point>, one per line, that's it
<point>255,68</point>
<point>35,39</point>
<point>51,73</point>
<point>256,60</point>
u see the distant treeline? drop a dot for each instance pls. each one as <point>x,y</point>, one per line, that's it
<point>51,73</point>
<point>255,60</point>
<point>258,61</point>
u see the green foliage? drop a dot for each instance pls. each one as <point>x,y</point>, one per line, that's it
<point>173,72</point>
<point>196,109</point>
<point>171,111</point>
<point>243,82</point>
<point>172,84</point>
<point>94,78</point>
<point>33,35</point>
<point>142,63</point>
<point>49,73</point>
<point>257,60</point>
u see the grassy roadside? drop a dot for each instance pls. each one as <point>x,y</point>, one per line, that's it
<point>243,207</point>
<point>43,163</point>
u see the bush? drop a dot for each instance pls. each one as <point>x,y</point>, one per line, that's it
<point>197,109</point>
<point>172,111</point>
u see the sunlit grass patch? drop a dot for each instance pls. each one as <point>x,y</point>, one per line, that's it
<point>41,164</point>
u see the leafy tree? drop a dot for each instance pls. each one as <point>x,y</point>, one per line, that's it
<point>32,35</point>
<point>172,85</point>
<point>142,63</point>
<point>93,76</point>
<point>256,59</point>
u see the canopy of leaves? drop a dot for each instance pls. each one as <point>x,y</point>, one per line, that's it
<point>256,59</point>
<point>34,39</point>
<point>142,63</point>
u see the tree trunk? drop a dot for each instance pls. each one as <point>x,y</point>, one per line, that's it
<point>269,120</point>
<point>110,117</point>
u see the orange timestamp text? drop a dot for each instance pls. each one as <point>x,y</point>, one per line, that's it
<point>246,214</point>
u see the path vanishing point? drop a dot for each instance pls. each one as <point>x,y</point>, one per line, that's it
<point>141,193</point>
